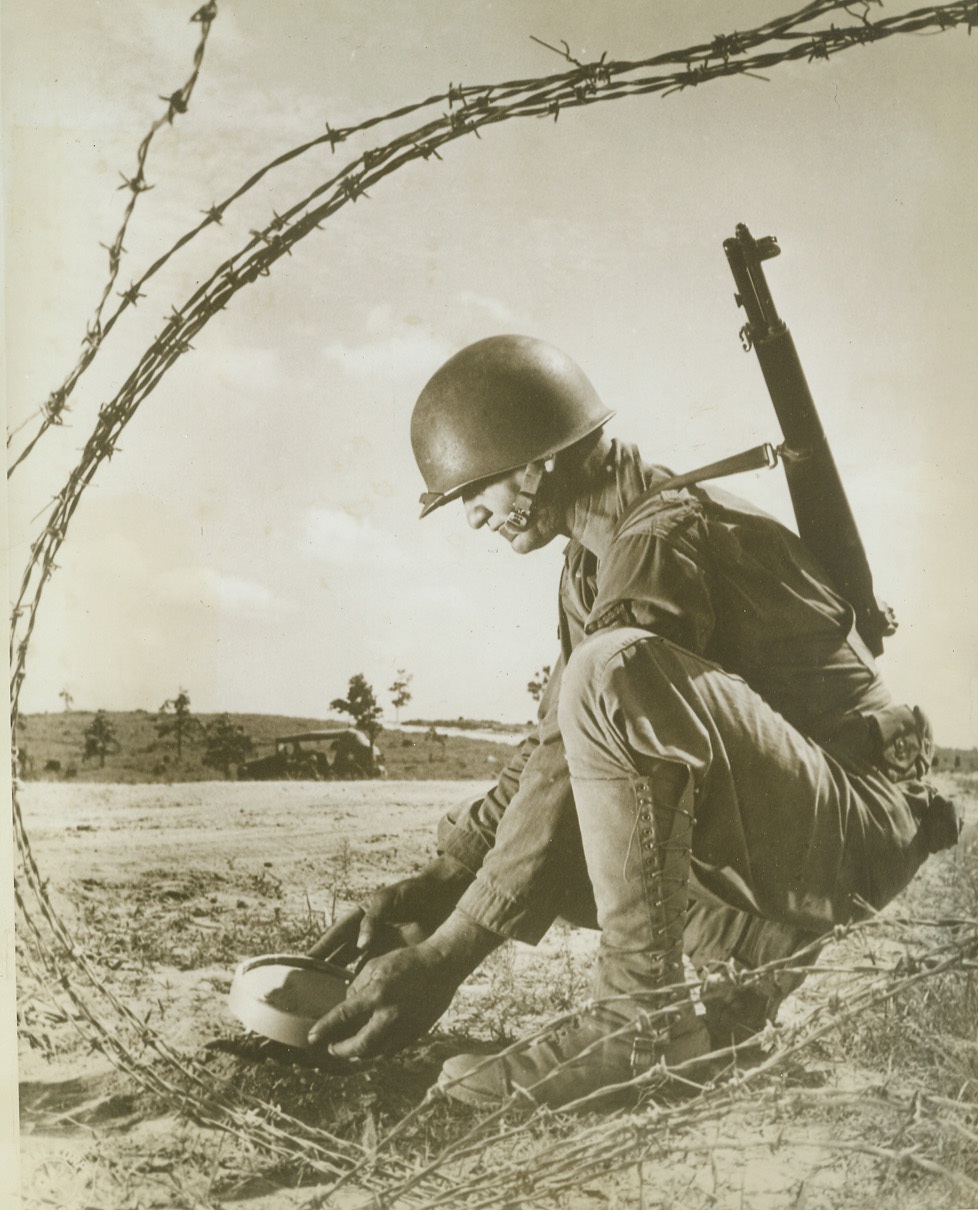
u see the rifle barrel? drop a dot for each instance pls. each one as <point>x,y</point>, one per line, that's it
<point>825,521</point>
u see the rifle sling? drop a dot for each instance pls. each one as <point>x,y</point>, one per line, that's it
<point>757,458</point>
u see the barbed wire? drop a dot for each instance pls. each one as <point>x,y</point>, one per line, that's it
<point>95,331</point>
<point>568,1162</point>
<point>462,110</point>
<point>572,1159</point>
<point>52,409</point>
<point>600,80</point>
<point>470,109</point>
<point>139,1050</point>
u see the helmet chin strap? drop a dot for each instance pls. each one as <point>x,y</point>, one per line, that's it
<point>522,510</point>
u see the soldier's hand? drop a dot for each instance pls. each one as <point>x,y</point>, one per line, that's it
<point>403,913</point>
<point>399,995</point>
<point>392,1001</point>
<point>339,943</point>
<point>415,906</point>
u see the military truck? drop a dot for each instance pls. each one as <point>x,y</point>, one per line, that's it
<point>341,753</point>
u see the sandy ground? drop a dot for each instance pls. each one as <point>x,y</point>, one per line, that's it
<point>308,849</point>
<point>116,831</point>
<point>196,872</point>
<point>212,859</point>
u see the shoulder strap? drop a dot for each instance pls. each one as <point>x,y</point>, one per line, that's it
<point>756,458</point>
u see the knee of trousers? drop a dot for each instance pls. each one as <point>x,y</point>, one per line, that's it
<point>615,684</point>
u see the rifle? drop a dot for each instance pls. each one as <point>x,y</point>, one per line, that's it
<point>825,521</point>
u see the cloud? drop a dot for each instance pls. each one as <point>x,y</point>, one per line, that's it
<point>493,307</point>
<point>398,355</point>
<point>401,348</point>
<point>204,586</point>
<point>335,537</point>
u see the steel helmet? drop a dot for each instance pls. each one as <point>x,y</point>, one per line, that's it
<point>495,406</point>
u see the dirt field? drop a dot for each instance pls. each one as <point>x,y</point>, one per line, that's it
<point>168,887</point>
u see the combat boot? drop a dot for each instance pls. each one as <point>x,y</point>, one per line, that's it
<point>637,833</point>
<point>598,1056</point>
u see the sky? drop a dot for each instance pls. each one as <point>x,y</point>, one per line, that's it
<point>256,539</point>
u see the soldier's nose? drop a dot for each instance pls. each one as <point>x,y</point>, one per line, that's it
<point>476,514</point>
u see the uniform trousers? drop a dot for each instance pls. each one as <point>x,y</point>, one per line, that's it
<point>787,841</point>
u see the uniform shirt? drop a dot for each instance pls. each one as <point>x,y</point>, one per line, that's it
<point>713,575</point>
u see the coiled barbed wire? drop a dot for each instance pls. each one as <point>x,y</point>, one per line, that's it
<point>460,111</point>
<point>470,109</point>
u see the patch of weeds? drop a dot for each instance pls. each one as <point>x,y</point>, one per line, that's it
<point>927,1037</point>
<point>928,1033</point>
<point>517,989</point>
<point>264,882</point>
<point>340,877</point>
<point>360,1104</point>
<point>571,976</point>
<point>45,1025</point>
<point>191,920</point>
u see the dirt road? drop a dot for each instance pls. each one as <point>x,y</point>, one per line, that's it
<point>91,831</point>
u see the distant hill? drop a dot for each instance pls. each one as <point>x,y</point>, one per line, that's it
<point>54,747</point>
<point>470,724</point>
<point>964,760</point>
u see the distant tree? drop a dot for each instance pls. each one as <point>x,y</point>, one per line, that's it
<point>361,705</point>
<point>100,737</point>
<point>400,692</point>
<point>67,699</point>
<point>225,743</point>
<point>174,718</point>
<point>536,687</point>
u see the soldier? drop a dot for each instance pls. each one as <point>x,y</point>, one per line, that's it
<point>718,769</point>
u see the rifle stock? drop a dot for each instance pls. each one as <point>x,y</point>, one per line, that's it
<point>825,521</point>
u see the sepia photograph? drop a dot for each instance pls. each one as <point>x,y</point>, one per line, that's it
<point>492,648</point>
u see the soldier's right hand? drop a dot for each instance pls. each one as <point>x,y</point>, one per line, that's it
<point>397,996</point>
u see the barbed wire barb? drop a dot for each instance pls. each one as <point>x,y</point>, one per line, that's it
<point>177,103</point>
<point>565,53</point>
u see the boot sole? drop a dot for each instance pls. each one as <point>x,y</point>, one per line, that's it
<point>469,1096</point>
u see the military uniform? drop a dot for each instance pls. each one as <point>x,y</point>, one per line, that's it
<point>704,638</point>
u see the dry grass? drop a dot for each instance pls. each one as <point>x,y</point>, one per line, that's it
<point>876,1109</point>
